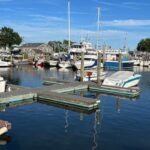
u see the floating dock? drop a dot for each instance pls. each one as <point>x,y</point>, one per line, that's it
<point>51,81</point>
<point>112,90</point>
<point>58,93</point>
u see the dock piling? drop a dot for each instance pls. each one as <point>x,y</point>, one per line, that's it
<point>82,66</point>
<point>120,62</point>
<point>99,68</point>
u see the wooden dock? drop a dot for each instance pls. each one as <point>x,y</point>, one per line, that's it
<point>59,94</point>
<point>51,81</point>
<point>111,90</point>
<point>55,94</point>
<point>69,100</point>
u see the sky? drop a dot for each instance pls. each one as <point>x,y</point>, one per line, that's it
<point>122,22</point>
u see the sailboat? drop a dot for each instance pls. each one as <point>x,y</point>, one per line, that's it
<point>67,63</point>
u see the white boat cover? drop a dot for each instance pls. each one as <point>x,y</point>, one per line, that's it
<point>121,75</point>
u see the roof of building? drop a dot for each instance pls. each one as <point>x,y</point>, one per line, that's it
<point>32,45</point>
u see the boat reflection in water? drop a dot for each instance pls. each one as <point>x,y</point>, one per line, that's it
<point>5,139</point>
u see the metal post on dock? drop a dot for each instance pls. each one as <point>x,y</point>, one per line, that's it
<point>120,62</point>
<point>82,66</point>
<point>99,68</point>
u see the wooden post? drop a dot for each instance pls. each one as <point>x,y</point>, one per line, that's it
<point>99,68</point>
<point>82,67</point>
<point>120,62</point>
<point>11,58</point>
<point>104,47</point>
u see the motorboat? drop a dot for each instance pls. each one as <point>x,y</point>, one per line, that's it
<point>145,63</point>
<point>40,63</point>
<point>90,75</point>
<point>111,59</point>
<point>65,64</point>
<point>53,62</point>
<point>5,63</point>
<point>122,79</point>
<point>88,64</point>
<point>136,62</point>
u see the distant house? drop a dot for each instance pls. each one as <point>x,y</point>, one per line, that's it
<point>34,49</point>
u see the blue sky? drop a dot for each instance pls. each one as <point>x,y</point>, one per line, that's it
<point>45,20</point>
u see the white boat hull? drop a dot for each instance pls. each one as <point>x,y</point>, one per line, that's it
<point>145,63</point>
<point>93,76</point>
<point>5,64</point>
<point>65,64</point>
<point>53,63</point>
<point>88,64</point>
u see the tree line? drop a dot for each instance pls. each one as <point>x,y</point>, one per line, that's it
<point>8,37</point>
<point>144,45</point>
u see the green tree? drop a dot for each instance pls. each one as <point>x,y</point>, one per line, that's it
<point>144,45</point>
<point>9,37</point>
<point>65,42</point>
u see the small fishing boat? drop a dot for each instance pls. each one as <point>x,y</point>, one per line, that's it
<point>115,64</point>
<point>145,63</point>
<point>88,64</point>
<point>90,75</point>
<point>65,64</point>
<point>40,63</point>
<point>5,63</point>
<point>53,62</point>
<point>122,79</point>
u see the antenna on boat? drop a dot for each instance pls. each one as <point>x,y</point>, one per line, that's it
<point>125,42</point>
<point>68,24</point>
<point>98,25</point>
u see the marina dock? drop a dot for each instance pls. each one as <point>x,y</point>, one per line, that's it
<point>55,94</point>
<point>58,93</point>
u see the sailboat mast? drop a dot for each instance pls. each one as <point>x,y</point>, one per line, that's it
<point>68,24</point>
<point>98,26</point>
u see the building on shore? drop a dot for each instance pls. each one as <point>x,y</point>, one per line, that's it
<point>36,49</point>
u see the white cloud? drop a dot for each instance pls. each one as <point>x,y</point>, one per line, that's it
<point>127,23</point>
<point>33,32</point>
<point>47,18</point>
<point>129,3</point>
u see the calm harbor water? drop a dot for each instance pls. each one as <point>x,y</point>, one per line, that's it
<point>120,124</point>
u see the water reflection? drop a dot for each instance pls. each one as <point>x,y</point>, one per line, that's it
<point>95,135</point>
<point>66,120</point>
<point>5,106</point>
<point>118,104</point>
<point>140,69</point>
<point>4,139</point>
